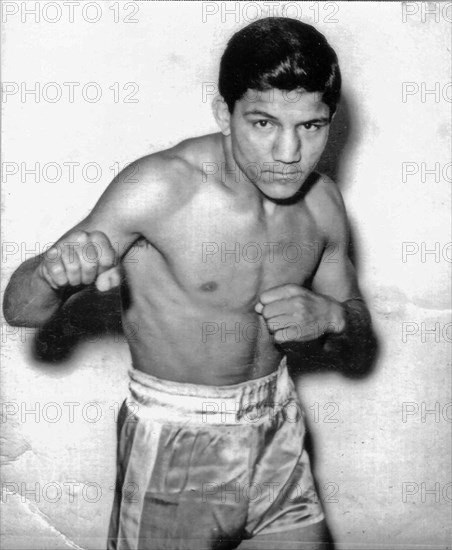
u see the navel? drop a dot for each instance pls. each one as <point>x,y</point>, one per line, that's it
<point>210,286</point>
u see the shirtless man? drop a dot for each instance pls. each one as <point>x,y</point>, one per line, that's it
<point>231,232</point>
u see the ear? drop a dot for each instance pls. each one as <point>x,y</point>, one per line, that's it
<point>333,115</point>
<point>222,115</point>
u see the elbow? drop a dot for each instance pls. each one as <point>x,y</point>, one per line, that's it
<point>9,306</point>
<point>8,309</point>
<point>16,320</point>
<point>14,314</point>
<point>13,318</point>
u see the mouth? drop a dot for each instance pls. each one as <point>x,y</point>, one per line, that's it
<point>291,176</point>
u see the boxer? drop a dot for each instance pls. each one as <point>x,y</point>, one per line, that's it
<point>240,256</point>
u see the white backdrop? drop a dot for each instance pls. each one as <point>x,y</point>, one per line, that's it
<point>382,443</point>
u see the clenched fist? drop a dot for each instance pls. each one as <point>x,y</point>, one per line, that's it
<point>295,314</point>
<point>80,258</point>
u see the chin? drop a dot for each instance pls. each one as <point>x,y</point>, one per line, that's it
<point>280,191</point>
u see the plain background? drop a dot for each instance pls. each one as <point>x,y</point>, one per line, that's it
<point>384,476</point>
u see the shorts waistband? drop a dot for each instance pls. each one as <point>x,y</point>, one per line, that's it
<point>251,401</point>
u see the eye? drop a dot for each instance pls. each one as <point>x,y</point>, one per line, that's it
<point>262,123</point>
<point>311,127</point>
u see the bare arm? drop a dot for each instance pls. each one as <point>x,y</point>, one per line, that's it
<point>333,313</point>
<point>351,341</point>
<point>88,253</point>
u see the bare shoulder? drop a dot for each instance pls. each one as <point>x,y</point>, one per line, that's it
<point>175,174</point>
<point>325,201</point>
<point>163,177</point>
<point>151,189</point>
<point>151,185</point>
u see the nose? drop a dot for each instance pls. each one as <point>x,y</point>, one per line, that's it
<point>287,147</point>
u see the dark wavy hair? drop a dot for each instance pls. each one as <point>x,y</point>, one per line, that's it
<point>283,53</point>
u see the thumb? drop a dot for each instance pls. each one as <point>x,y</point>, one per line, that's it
<point>108,279</point>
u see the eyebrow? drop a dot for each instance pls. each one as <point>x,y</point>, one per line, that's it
<point>260,113</point>
<point>267,115</point>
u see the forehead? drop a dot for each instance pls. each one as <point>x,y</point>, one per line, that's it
<point>277,102</point>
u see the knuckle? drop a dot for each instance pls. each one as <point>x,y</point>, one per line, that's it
<point>88,271</point>
<point>79,235</point>
<point>53,254</point>
<point>67,252</point>
<point>298,316</point>
<point>45,273</point>
<point>88,278</point>
<point>72,268</point>
<point>55,269</point>
<point>89,266</point>
<point>108,255</point>
<point>98,236</point>
<point>92,252</point>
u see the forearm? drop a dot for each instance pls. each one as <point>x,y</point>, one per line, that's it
<point>29,300</point>
<point>352,348</point>
<point>345,341</point>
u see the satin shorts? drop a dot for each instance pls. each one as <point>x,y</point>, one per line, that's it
<point>205,467</point>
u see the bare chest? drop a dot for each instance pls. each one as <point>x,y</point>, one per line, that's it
<point>227,258</point>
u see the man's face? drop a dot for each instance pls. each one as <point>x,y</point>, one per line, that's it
<point>278,137</point>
